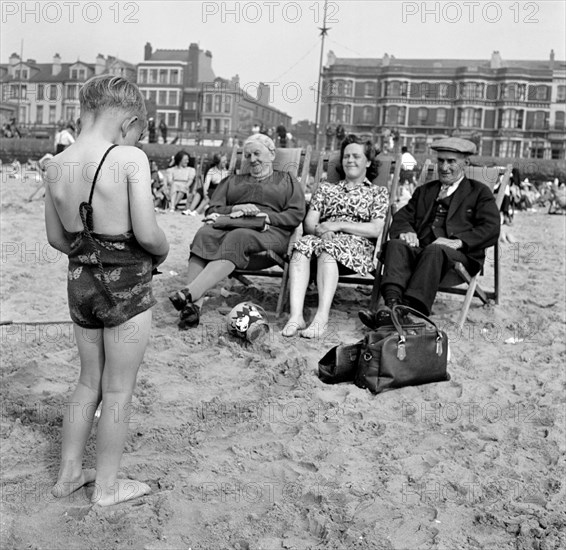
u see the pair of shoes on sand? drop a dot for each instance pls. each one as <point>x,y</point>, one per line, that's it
<point>190,313</point>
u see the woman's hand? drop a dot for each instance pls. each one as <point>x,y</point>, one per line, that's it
<point>328,236</point>
<point>244,210</point>
<point>325,227</point>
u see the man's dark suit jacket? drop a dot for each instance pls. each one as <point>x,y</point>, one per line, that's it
<point>472,217</point>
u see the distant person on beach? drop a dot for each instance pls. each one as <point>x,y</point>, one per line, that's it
<point>180,178</point>
<point>215,174</point>
<point>64,137</point>
<point>163,130</point>
<point>275,197</point>
<point>105,223</point>
<point>341,228</point>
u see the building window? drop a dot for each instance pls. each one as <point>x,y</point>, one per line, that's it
<point>174,76</point>
<point>218,103</point>
<point>142,76</point>
<point>228,105</point>
<point>369,89</point>
<point>541,92</point>
<point>561,94</point>
<point>440,117</point>
<point>153,76</point>
<point>172,120</point>
<point>172,98</point>
<point>512,118</point>
<point>162,76</point>
<point>78,74</point>
<point>367,114</point>
<point>217,127</point>
<point>153,96</point>
<point>52,113</point>
<point>537,150</point>
<point>21,74</point>
<point>393,89</point>
<point>401,115</point>
<point>539,121</point>
<point>40,92</point>
<point>72,91</point>
<point>348,86</point>
<point>162,97</point>
<point>70,113</point>
<point>559,120</point>
<point>422,115</point>
<point>470,118</point>
<point>39,114</point>
<point>208,103</point>
<point>53,92</point>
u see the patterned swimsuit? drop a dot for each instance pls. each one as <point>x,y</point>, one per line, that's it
<point>109,277</point>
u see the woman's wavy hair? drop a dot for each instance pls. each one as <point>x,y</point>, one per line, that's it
<point>179,157</point>
<point>370,152</point>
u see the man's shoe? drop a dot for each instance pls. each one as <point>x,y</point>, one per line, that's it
<point>376,319</point>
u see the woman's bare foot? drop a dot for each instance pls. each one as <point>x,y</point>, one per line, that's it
<point>316,329</point>
<point>292,327</point>
<point>120,491</point>
<point>69,484</point>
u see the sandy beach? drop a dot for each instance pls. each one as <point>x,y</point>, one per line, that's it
<point>245,448</point>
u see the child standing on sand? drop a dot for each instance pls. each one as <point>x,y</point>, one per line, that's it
<point>99,212</point>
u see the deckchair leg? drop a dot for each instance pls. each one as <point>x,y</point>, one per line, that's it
<point>467,301</point>
<point>283,291</point>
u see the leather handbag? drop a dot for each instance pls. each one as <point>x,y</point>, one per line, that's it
<point>405,357</point>
<point>249,222</point>
<point>340,364</point>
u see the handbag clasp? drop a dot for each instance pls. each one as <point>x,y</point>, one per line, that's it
<point>401,351</point>
<point>439,345</point>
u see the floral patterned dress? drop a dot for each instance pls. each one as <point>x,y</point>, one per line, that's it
<point>335,202</point>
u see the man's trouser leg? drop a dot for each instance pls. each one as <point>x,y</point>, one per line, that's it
<point>433,263</point>
<point>400,262</point>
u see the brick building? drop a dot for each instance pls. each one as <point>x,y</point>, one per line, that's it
<point>509,108</point>
<point>45,93</point>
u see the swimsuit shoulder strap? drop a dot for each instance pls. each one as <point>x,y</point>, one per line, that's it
<point>98,171</point>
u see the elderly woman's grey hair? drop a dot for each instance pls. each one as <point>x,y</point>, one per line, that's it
<point>266,141</point>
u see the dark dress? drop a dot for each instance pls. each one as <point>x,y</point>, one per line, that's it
<point>280,196</point>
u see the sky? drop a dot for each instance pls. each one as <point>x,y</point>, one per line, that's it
<point>278,41</point>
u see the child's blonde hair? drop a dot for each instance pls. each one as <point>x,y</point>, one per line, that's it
<point>112,92</point>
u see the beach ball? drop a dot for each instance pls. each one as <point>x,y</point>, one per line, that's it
<point>246,320</point>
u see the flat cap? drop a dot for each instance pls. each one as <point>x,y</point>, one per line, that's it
<point>457,145</point>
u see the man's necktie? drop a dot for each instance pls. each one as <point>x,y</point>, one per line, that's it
<point>443,192</point>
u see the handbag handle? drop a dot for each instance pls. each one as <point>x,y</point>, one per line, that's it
<point>401,354</point>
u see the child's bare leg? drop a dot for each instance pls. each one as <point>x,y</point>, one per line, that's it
<point>124,347</point>
<point>79,414</point>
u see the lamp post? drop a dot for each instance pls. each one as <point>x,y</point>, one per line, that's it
<point>323,31</point>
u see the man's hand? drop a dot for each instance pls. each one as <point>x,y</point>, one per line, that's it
<point>456,244</point>
<point>244,210</point>
<point>410,238</point>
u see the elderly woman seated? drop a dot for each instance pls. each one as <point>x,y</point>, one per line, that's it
<point>342,225</point>
<point>275,197</point>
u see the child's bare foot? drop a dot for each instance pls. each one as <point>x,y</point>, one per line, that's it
<point>315,330</point>
<point>67,485</point>
<point>292,327</point>
<point>120,491</point>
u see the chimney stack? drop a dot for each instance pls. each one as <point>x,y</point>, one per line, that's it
<point>100,64</point>
<point>147,51</point>
<point>496,62</point>
<point>56,68</point>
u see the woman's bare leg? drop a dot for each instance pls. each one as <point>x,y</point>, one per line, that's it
<point>327,281</point>
<point>299,274</point>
